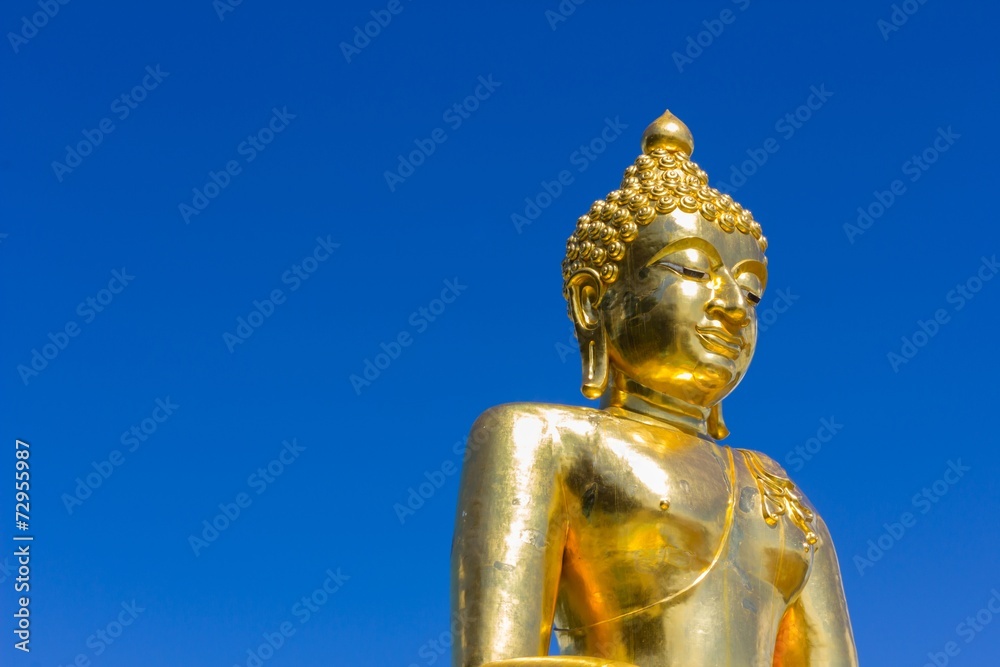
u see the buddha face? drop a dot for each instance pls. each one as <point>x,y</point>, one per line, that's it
<point>680,320</point>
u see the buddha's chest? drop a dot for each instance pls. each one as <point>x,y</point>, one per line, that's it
<point>650,509</point>
<point>648,523</point>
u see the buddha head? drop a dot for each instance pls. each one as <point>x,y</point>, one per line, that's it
<point>662,279</point>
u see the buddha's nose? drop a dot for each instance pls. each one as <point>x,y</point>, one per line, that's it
<point>729,306</point>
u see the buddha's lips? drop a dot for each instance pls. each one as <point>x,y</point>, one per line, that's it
<point>720,341</point>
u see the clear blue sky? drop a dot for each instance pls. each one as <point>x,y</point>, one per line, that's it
<point>233,164</point>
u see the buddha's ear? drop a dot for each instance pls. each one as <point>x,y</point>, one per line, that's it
<point>585,292</point>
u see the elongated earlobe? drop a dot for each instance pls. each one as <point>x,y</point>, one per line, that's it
<point>716,427</point>
<point>585,296</point>
<point>595,367</point>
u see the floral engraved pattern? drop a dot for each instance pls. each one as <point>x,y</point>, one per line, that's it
<point>779,497</point>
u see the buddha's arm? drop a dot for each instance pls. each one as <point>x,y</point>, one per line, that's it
<point>816,629</point>
<point>509,537</point>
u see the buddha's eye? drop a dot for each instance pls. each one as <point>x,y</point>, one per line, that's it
<point>751,288</point>
<point>686,271</point>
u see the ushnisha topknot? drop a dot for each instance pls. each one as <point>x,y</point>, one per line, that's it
<point>660,181</point>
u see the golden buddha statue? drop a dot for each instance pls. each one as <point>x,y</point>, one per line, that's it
<point>628,530</point>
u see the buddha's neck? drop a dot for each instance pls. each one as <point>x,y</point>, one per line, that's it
<point>651,406</point>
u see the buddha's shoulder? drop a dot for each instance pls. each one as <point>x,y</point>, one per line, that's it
<point>541,434</point>
<point>545,418</point>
